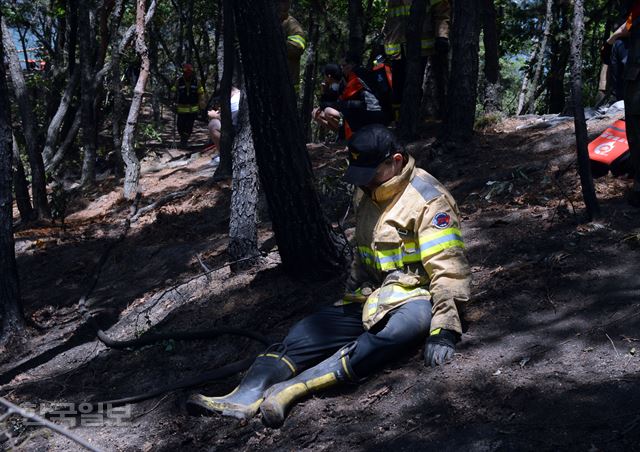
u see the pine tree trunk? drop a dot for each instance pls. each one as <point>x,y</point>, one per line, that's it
<point>522,96</point>
<point>491,58</point>
<point>156,91</point>
<point>131,162</point>
<point>410,108</point>
<point>584,167</point>
<point>464,71</point>
<point>243,234</point>
<point>533,87</point>
<point>306,241</point>
<point>356,29</point>
<point>68,141</point>
<point>53,131</point>
<point>38,181</point>
<point>72,38</point>
<point>559,60</point>
<point>10,305</point>
<point>118,103</point>
<point>21,186</point>
<point>88,47</point>
<point>310,70</point>
<point>226,126</point>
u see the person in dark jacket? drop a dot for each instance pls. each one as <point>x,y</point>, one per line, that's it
<point>356,106</point>
<point>189,100</point>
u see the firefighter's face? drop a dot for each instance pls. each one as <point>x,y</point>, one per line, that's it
<point>388,169</point>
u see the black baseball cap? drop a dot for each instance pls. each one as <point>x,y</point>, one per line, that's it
<point>368,148</point>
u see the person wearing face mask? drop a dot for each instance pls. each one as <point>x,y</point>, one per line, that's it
<point>356,104</point>
<point>408,282</point>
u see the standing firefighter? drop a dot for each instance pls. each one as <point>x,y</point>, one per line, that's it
<point>434,42</point>
<point>407,281</point>
<point>295,41</point>
<point>189,100</point>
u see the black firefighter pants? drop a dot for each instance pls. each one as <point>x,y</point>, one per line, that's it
<point>185,124</point>
<point>318,336</point>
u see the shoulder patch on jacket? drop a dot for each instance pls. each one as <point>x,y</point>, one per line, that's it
<point>425,188</point>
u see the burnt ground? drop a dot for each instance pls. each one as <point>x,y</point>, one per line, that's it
<point>549,362</point>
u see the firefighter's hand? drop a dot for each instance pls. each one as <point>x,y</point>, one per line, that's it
<point>442,45</point>
<point>440,347</point>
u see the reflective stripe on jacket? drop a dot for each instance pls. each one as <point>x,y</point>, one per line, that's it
<point>296,43</point>
<point>188,95</point>
<point>436,24</point>
<point>409,245</point>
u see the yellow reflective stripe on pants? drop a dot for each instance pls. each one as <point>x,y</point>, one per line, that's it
<point>297,39</point>
<point>393,294</point>
<point>434,243</point>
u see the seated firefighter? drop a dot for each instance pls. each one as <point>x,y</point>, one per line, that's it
<point>407,281</point>
<point>356,106</point>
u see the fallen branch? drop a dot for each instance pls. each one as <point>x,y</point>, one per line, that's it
<point>160,202</point>
<point>14,409</point>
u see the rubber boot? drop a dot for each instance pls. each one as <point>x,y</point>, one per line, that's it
<point>243,401</point>
<point>279,397</point>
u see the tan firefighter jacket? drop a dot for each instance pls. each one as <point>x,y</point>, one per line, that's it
<point>409,245</point>
<point>296,43</point>
<point>436,25</point>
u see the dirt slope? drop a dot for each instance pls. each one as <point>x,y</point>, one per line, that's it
<point>549,362</point>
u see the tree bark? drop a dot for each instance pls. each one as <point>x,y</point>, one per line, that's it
<point>559,46</point>
<point>310,70</point>
<point>72,38</point>
<point>356,29</point>
<point>243,234</point>
<point>226,131</point>
<point>10,305</point>
<point>118,101</point>
<point>88,48</point>
<point>68,141</point>
<point>584,167</point>
<point>522,96</point>
<point>464,71</point>
<point>55,125</point>
<point>306,241</point>
<point>410,108</point>
<point>131,162</point>
<point>21,186</point>
<point>492,101</point>
<point>533,87</point>
<point>38,180</point>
